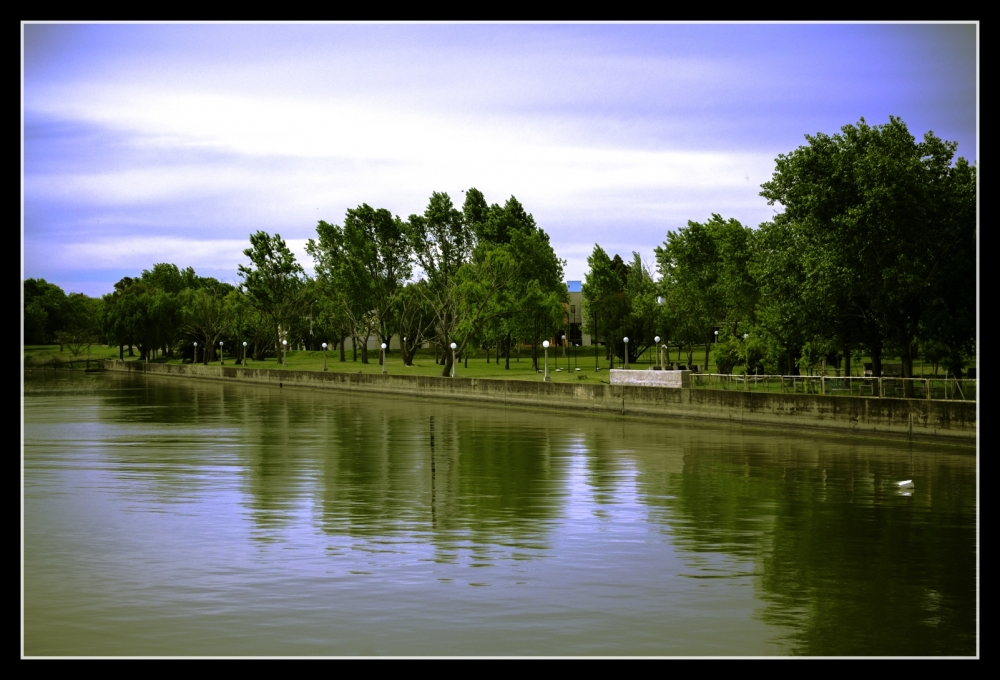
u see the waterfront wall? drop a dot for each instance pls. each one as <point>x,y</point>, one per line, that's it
<point>916,418</point>
<point>651,378</point>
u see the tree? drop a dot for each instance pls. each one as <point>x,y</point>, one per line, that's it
<point>44,311</point>
<point>885,224</point>
<point>689,267</point>
<point>415,317</point>
<point>81,327</point>
<point>140,315</point>
<point>205,319</point>
<point>363,267</point>
<point>272,281</point>
<point>603,296</point>
<point>441,241</point>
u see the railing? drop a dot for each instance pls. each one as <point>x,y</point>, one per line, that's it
<point>960,389</point>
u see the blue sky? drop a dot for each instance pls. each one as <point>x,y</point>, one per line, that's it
<point>173,142</point>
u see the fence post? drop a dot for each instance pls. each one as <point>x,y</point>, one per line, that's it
<point>881,388</point>
<point>927,387</point>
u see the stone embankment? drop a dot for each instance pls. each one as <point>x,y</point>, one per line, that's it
<point>923,419</point>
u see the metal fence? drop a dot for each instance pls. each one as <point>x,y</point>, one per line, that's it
<point>960,389</point>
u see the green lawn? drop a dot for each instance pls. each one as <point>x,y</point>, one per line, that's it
<point>301,360</point>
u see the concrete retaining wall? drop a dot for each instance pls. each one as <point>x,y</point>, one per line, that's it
<point>916,418</point>
<point>673,379</point>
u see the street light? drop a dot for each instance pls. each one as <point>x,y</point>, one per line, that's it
<point>383,358</point>
<point>546,346</point>
<point>626,353</point>
<point>657,341</point>
<point>324,356</point>
<point>195,359</point>
<point>454,369</point>
<point>284,347</point>
<point>221,360</point>
<point>244,353</point>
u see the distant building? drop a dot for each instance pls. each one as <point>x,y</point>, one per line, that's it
<point>574,315</point>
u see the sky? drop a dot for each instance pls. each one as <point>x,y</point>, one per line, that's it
<point>147,143</point>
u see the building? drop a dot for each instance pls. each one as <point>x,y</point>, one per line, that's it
<point>574,315</point>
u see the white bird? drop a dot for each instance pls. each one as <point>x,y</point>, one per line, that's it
<point>905,484</point>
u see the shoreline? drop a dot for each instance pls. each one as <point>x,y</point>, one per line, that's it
<point>909,419</point>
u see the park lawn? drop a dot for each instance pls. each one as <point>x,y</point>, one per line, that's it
<point>305,360</point>
<point>423,364</point>
<point>43,354</point>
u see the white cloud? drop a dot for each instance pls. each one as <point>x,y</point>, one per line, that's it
<point>139,252</point>
<point>296,153</point>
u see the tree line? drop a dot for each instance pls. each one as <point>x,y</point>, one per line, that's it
<point>873,255</point>
<point>482,276</point>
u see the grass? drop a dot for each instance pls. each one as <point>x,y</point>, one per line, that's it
<point>304,360</point>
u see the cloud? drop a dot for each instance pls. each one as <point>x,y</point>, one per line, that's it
<point>147,143</point>
<point>142,252</point>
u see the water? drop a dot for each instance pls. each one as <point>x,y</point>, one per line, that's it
<point>164,517</point>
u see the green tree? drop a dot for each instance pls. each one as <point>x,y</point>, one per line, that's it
<point>885,224</point>
<point>205,320</point>
<point>363,266</point>
<point>44,311</point>
<point>272,281</point>
<point>528,302</point>
<point>603,298</point>
<point>441,241</point>
<point>81,323</point>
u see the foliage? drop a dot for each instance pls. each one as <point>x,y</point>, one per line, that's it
<point>272,282</point>
<point>885,228</point>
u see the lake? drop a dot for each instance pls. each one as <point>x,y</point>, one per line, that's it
<point>169,517</point>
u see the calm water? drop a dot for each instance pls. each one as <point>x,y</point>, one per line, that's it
<point>162,517</point>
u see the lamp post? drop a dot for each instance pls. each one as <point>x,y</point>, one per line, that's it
<point>244,353</point>
<point>284,349</point>
<point>383,358</point>
<point>657,341</point>
<point>324,356</point>
<point>546,346</point>
<point>195,359</point>
<point>221,360</point>
<point>626,353</point>
<point>454,369</point>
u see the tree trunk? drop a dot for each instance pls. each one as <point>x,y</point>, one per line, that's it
<point>507,360</point>
<point>847,360</point>
<point>446,362</point>
<point>708,345</point>
<point>906,356</point>
<point>364,350</point>
<point>876,352</point>
<point>343,349</point>
<point>121,352</point>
